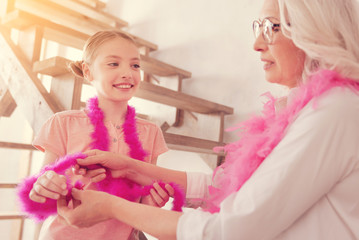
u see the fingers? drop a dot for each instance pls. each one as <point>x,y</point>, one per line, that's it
<point>163,194</point>
<point>92,152</point>
<point>49,185</point>
<point>78,170</point>
<point>65,214</point>
<point>159,195</point>
<point>170,190</point>
<point>77,194</point>
<point>95,172</point>
<point>99,177</point>
<point>123,173</point>
<point>35,197</point>
<point>96,175</point>
<point>62,204</point>
<point>92,158</point>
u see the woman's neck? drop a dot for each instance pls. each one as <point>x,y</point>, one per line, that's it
<point>115,112</point>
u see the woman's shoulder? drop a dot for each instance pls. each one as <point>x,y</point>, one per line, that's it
<point>340,100</point>
<point>339,105</point>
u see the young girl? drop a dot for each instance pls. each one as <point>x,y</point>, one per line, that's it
<point>111,63</point>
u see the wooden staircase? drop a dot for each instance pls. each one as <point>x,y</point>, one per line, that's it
<point>69,23</point>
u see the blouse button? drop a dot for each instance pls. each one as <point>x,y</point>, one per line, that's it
<point>118,127</point>
<point>114,140</point>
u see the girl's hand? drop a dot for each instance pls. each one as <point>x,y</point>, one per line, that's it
<point>48,185</point>
<point>158,196</point>
<point>95,175</point>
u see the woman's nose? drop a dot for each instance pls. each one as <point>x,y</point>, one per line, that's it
<point>259,44</point>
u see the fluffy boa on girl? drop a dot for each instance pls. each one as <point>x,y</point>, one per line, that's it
<point>120,187</point>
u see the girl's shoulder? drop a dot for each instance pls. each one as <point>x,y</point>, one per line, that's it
<point>71,114</point>
<point>147,123</point>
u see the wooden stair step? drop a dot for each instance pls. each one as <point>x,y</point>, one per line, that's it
<point>55,32</point>
<point>58,65</point>
<point>52,66</point>
<point>48,16</point>
<point>148,91</point>
<point>91,12</point>
<point>180,100</point>
<point>94,3</point>
<point>11,215</point>
<point>52,31</point>
<point>12,145</point>
<point>191,144</point>
<point>8,185</point>
<point>156,67</point>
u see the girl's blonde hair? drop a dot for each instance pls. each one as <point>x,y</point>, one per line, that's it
<point>91,46</point>
<point>327,31</point>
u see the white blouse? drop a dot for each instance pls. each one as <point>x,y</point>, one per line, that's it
<point>307,188</point>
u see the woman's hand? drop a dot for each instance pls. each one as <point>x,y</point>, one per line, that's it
<point>115,162</point>
<point>158,196</point>
<point>118,164</point>
<point>93,207</point>
<point>48,185</point>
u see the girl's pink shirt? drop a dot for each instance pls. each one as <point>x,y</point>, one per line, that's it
<point>70,132</point>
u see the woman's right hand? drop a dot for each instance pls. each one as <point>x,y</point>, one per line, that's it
<point>48,185</point>
<point>115,162</point>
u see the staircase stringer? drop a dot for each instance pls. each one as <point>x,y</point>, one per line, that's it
<point>30,95</point>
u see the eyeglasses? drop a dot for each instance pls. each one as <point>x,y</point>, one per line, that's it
<point>268,29</point>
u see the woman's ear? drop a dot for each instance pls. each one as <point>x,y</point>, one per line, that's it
<point>86,71</point>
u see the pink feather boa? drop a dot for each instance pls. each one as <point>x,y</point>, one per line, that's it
<point>260,135</point>
<point>120,187</point>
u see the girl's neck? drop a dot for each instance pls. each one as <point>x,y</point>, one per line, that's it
<point>115,112</point>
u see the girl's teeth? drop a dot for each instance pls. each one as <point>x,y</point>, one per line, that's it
<point>123,86</point>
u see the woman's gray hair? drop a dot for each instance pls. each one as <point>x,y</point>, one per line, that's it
<point>327,31</point>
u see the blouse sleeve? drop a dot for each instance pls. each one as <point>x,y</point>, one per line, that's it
<point>52,136</point>
<point>159,144</point>
<point>316,153</point>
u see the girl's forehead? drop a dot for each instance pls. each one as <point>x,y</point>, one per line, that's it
<point>117,47</point>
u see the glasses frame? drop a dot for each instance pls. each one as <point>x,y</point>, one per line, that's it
<point>266,27</point>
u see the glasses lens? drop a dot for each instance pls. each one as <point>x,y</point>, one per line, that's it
<point>256,28</point>
<point>268,30</point>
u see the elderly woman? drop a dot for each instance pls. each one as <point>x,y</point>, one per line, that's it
<point>295,170</point>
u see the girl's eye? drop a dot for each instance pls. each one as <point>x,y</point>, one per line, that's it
<point>136,65</point>
<point>114,64</point>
